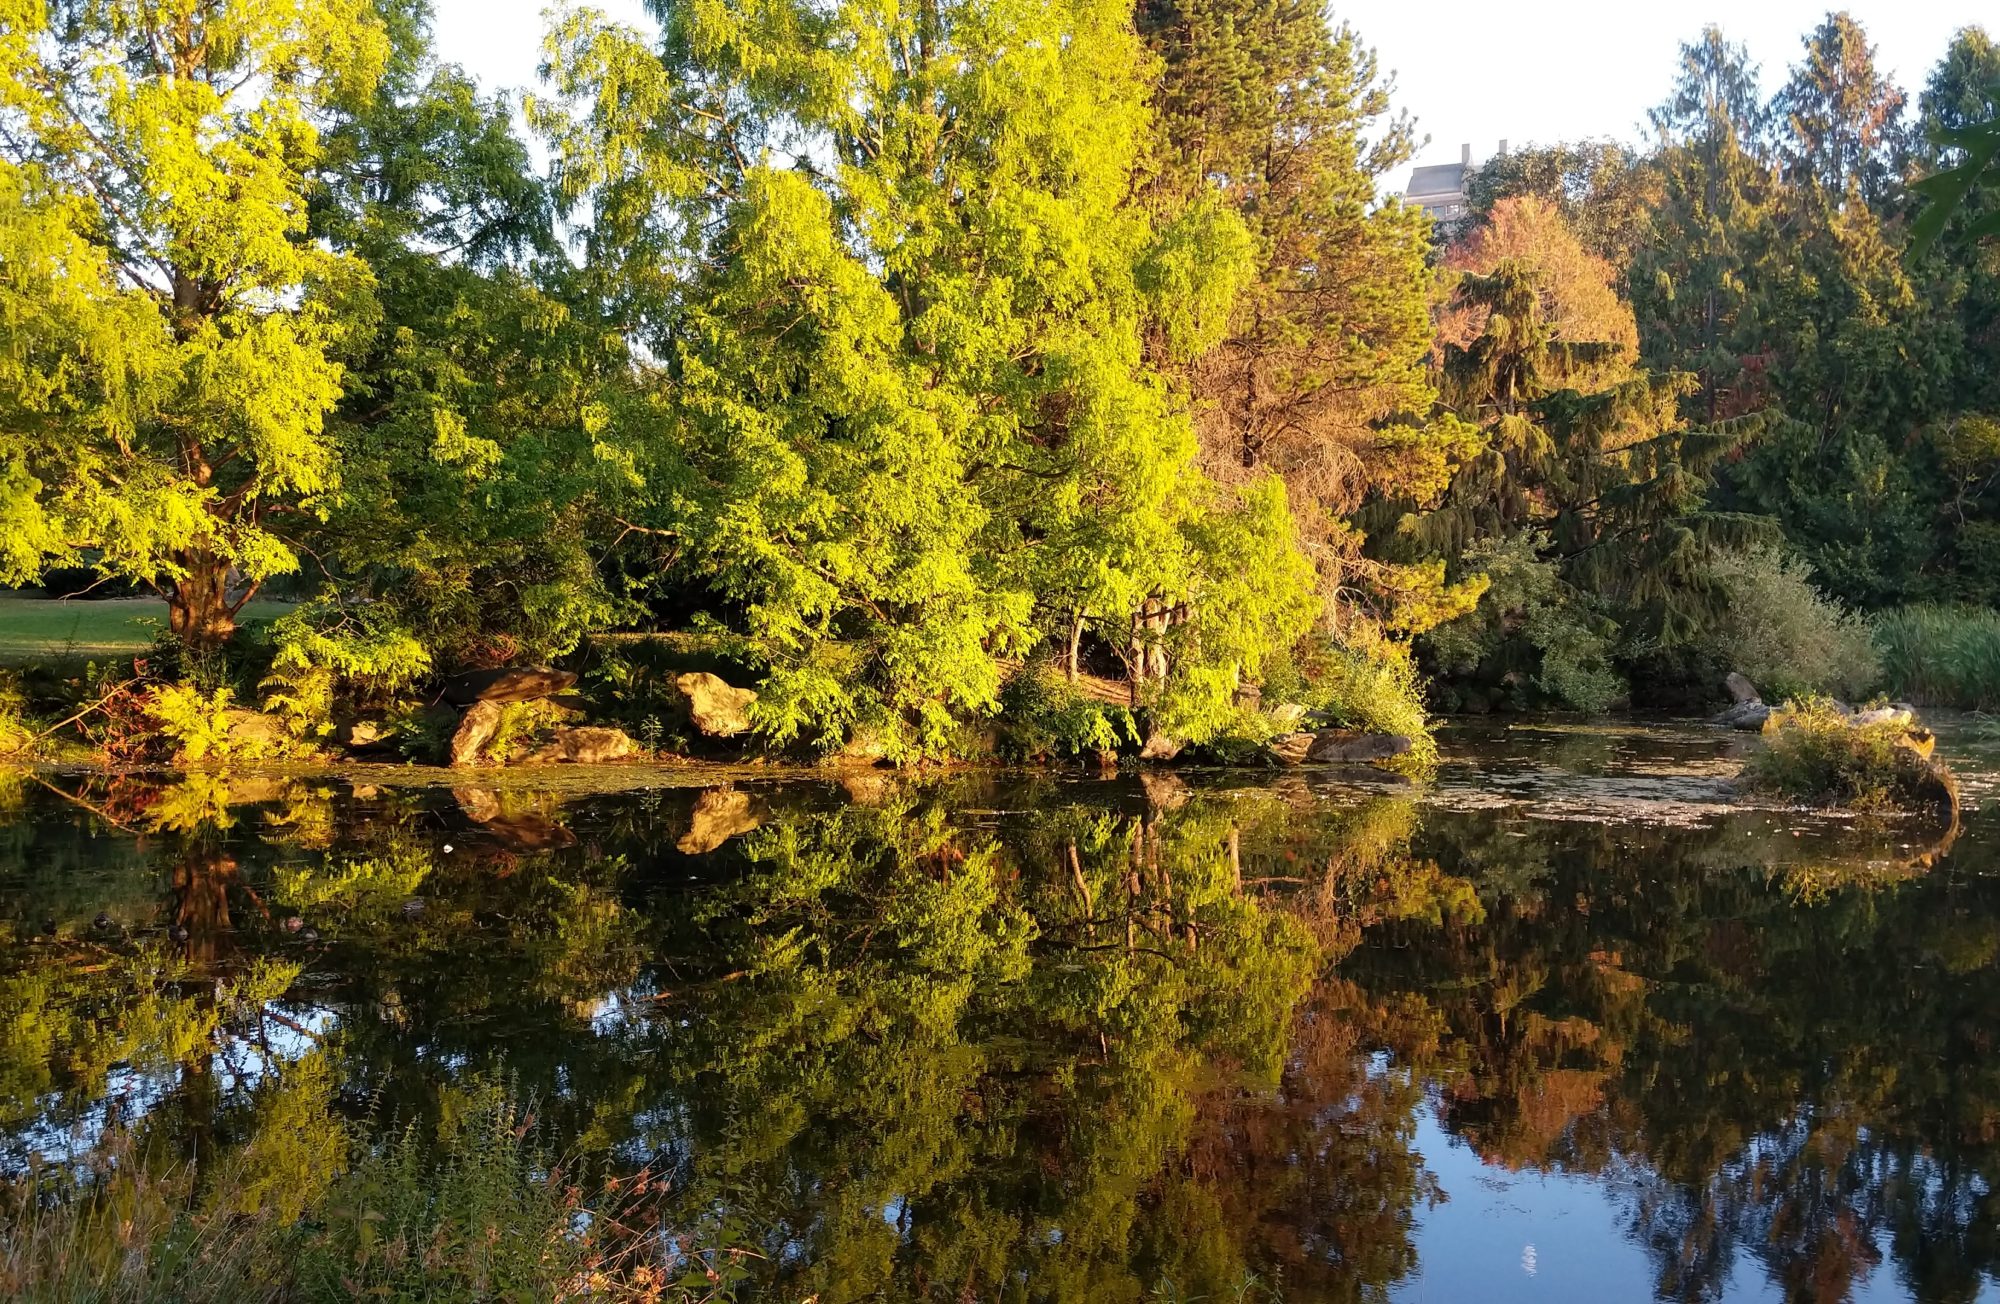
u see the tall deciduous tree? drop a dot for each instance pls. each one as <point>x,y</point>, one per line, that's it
<point>885,262</point>
<point>1268,111</point>
<point>481,481</point>
<point>169,337</point>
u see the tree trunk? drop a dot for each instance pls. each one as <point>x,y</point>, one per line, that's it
<point>198,609</point>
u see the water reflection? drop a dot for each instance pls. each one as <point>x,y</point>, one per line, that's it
<point>1050,1040</point>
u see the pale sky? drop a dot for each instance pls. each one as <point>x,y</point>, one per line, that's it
<point>1472,71</point>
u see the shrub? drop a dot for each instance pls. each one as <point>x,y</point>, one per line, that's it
<point>195,722</point>
<point>1045,715</point>
<point>1377,690</point>
<point>1813,753</point>
<point>1787,636</point>
<point>1941,656</point>
<point>1531,624</point>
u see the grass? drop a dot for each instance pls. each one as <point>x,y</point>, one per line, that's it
<point>45,629</point>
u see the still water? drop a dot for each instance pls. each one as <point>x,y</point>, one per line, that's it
<point>1568,1022</point>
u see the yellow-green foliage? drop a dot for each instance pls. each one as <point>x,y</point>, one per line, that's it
<point>1045,716</point>
<point>323,650</point>
<point>1811,753</point>
<point>197,724</point>
<point>1379,691</point>
<point>15,732</point>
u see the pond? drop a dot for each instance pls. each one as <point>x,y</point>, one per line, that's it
<point>1567,1022</point>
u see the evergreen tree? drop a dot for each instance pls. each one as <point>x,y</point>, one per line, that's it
<point>1603,190</point>
<point>1692,280</point>
<point>1843,133</point>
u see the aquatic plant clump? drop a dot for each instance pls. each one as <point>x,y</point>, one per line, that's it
<point>1875,761</point>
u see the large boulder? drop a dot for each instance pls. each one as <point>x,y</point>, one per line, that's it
<point>1160,747</point>
<point>716,708</point>
<point>1291,748</point>
<point>589,745</point>
<point>1746,716</point>
<point>365,735</point>
<point>512,684</point>
<point>1740,688</point>
<point>1338,747</point>
<point>475,731</point>
<point>1349,747</point>
<point>719,815</point>
<point>253,734</point>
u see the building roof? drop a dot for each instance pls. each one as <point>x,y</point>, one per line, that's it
<point>1438,179</point>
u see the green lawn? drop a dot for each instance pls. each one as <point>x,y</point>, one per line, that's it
<point>41,629</point>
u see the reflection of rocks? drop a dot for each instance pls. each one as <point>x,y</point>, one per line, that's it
<point>475,732</point>
<point>714,706</point>
<point>514,684</point>
<point>867,787</point>
<point>589,745</point>
<point>1338,747</point>
<point>719,815</point>
<point>1164,791</point>
<point>518,830</point>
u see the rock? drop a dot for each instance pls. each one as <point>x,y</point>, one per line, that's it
<point>716,709</point>
<point>1882,715</point>
<point>1287,715</point>
<point>1160,747</point>
<point>719,815</point>
<point>475,731</point>
<point>590,745</point>
<point>1292,748</point>
<point>1347,747</point>
<point>1249,695</point>
<point>253,734</point>
<point>513,684</point>
<point>864,747</point>
<point>365,735</point>
<point>1746,716</point>
<point>1741,690</point>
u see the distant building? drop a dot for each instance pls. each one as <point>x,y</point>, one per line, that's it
<point>1440,189</point>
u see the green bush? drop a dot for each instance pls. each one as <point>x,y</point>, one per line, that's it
<point>1941,656</point>
<point>1532,628</point>
<point>1043,715</point>
<point>469,1209</point>
<point>1378,692</point>
<point>1787,636</point>
<point>1812,753</point>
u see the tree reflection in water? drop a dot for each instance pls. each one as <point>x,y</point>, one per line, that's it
<point>1034,1040</point>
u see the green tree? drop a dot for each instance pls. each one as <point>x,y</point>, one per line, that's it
<point>1603,189</point>
<point>893,299</point>
<point>1590,464</point>
<point>171,339</point>
<point>1692,282</point>
<point>482,480</point>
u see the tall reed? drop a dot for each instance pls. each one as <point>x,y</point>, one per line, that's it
<point>1941,656</point>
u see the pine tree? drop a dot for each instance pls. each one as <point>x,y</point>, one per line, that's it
<point>1692,281</point>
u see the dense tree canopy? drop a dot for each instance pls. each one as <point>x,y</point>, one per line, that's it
<point>919,355</point>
